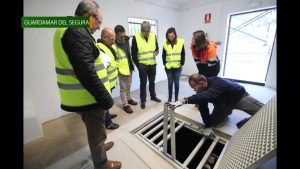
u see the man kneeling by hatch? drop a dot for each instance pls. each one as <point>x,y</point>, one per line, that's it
<point>224,94</point>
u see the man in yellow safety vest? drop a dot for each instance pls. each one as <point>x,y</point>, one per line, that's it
<point>144,51</point>
<point>125,67</point>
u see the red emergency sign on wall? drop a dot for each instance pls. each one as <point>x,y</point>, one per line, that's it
<point>207,18</point>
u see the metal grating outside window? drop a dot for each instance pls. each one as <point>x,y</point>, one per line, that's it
<point>134,25</point>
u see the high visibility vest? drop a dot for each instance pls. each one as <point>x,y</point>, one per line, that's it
<point>145,48</point>
<point>112,71</point>
<point>72,93</point>
<point>209,56</point>
<point>122,61</point>
<point>212,51</point>
<point>173,55</point>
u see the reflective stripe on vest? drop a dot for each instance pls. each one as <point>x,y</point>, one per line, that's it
<point>121,61</point>
<point>70,72</point>
<point>72,93</point>
<point>145,48</point>
<point>173,55</point>
<point>112,71</point>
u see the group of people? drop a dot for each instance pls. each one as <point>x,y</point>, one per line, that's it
<point>87,72</point>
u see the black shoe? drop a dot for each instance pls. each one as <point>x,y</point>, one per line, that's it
<point>242,122</point>
<point>143,105</point>
<point>111,116</point>
<point>112,126</point>
<point>169,99</point>
<point>156,99</point>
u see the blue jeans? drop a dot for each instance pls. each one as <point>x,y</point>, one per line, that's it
<point>173,75</point>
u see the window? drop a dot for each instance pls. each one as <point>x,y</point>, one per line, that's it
<point>249,45</point>
<point>134,25</point>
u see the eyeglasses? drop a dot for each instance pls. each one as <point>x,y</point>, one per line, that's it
<point>97,18</point>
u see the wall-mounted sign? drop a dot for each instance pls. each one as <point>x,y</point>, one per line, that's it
<point>207,18</point>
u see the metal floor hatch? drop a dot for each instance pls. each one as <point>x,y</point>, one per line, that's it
<point>192,148</point>
<point>181,142</point>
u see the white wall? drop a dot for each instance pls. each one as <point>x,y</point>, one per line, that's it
<point>40,88</point>
<point>192,18</point>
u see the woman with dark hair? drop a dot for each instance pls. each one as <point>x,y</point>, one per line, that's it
<point>204,52</point>
<point>173,56</point>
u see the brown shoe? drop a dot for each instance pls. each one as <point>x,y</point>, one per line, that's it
<point>113,164</point>
<point>132,102</point>
<point>127,109</point>
<point>108,145</point>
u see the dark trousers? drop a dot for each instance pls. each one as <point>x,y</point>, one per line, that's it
<point>108,120</point>
<point>173,75</point>
<point>144,72</point>
<point>96,133</point>
<point>209,69</point>
<point>247,104</point>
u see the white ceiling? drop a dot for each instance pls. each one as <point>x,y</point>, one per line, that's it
<point>175,4</point>
<point>179,2</point>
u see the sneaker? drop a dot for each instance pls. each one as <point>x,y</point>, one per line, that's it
<point>132,102</point>
<point>242,122</point>
<point>143,105</point>
<point>127,109</point>
<point>112,126</point>
<point>155,99</point>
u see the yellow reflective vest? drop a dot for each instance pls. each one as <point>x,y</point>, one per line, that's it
<point>112,71</point>
<point>72,93</point>
<point>122,61</point>
<point>146,48</point>
<point>173,55</point>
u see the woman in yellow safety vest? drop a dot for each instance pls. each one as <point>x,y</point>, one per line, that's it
<point>173,59</point>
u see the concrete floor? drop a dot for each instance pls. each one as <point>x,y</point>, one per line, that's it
<point>65,140</point>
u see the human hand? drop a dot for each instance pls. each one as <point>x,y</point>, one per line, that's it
<point>183,100</point>
<point>177,104</point>
<point>107,103</point>
<point>108,63</point>
<point>207,132</point>
<point>105,59</point>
